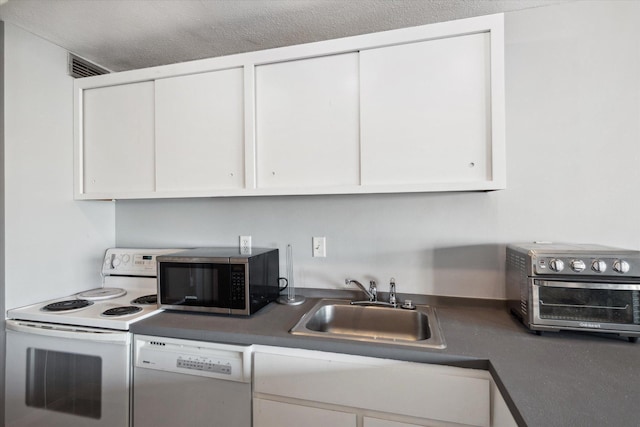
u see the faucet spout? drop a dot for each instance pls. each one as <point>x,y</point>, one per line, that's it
<point>370,294</point>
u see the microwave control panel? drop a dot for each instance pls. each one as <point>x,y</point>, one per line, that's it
<point>238,288</point>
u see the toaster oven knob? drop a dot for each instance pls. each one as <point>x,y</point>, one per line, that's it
<point>599,266</point>
<point>556,265</point>
<point>620,266</point>
<point>578,265</point>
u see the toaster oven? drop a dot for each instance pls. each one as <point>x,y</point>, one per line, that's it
<point>553,287</point>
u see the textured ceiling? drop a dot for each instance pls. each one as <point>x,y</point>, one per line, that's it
<point>129,34</point>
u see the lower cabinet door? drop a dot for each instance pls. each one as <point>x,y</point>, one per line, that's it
<point>441,393</point>
<point>267,413</point>
<point>377,422</point>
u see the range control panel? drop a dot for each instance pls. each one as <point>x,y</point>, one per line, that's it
<point>132,262</point>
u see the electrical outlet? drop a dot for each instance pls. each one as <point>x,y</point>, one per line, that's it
<point>319,247</point>
<point>245,245</point>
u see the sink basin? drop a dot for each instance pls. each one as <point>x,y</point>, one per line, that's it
<point>333,318</point>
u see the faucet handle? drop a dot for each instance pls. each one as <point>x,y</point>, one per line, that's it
<point>373,290</point>
<point>392,292</point>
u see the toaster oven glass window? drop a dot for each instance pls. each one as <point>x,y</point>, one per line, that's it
<point>196,284</point>
<point>590,305</point>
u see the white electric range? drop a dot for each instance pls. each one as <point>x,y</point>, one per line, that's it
<point>127,294</point>
<point>68,360</point>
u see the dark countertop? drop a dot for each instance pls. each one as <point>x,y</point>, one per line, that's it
<point>557,379</point>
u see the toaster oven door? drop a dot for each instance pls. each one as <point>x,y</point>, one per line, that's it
<point>586,305</point>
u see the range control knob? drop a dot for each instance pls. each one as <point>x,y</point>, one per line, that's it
<point>620,266</point>
<point>578,265</point>
<point>599,266</point>
<point>115,261</point>
<point>556,265</point>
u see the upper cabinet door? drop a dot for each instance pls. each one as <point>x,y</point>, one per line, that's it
<point>117,144</point>
<point>426,112</point>
<point>200,131</point>
<point>307,123</point>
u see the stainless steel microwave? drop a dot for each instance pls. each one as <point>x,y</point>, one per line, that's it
<point>218,280</point>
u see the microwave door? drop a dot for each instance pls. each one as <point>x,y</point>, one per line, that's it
<point>210,284</point>
<point>205,285</point>
<point>194,284</point>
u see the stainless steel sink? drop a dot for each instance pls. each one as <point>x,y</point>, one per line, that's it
<point>333,318</point>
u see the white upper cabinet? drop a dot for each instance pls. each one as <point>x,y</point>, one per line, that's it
<point>200,131</point>
<point>409,110</point>
<point>426,112</point>
<point>118,150</point>
<point>307,120</point>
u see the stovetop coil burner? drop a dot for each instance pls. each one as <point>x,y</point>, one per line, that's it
<point>101,293</point>
<point>121,311</point>
<point>67,305</point>
<point>146,299</point>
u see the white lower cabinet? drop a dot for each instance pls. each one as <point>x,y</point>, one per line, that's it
<point>308,388</point>
<point>267,413</point>
<point>377,422</point>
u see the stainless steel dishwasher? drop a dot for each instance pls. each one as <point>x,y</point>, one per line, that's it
<point>190,383</point>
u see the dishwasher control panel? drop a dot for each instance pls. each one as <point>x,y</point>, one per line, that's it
<point>222,361</point>
<point>205,364</point>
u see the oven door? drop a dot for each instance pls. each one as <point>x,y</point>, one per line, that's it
<point>66,376</point>
<point>609,307</point>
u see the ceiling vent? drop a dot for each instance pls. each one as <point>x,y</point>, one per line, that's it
<point>79,68</point>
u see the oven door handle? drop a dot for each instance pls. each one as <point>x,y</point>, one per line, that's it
<point>626,307</point>
<point>66,331</point>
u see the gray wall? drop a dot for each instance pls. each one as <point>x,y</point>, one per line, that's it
<point>2,251</point>
<point>45,229</point>
<point>573,150</point>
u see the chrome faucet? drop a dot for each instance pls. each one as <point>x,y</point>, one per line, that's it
<point>371,293</point>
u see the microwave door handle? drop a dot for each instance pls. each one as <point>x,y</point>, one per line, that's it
<point>584,306</point>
